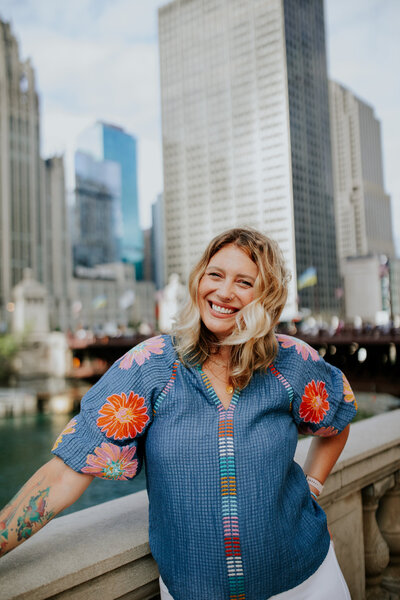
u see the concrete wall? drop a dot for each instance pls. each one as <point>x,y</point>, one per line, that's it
<point>103,553</point>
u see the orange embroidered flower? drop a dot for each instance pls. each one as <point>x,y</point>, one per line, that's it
<point>112,462</point>
<point>123,417</point>
<point>142,351</point>
<point>348,395</point>
<point>314,404</point>
<point>302,348</point>
<point>70,428</point>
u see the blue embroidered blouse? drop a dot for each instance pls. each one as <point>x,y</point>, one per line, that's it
<point>231,515</point>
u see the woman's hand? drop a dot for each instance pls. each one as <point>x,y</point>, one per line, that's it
<point>52,488</point>
<point>322,456</point>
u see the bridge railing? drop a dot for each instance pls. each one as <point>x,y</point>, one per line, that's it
<point>103,552</point>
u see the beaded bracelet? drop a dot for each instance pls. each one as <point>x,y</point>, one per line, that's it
<point>315,483</point>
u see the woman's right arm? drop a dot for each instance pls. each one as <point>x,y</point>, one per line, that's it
<point>52,488</point>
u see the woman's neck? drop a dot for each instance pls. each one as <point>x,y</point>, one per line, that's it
<point>222,354</point>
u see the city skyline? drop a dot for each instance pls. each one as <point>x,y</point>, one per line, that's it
<point>94,46</point>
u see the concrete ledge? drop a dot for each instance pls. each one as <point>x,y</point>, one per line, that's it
<point>107,541</point>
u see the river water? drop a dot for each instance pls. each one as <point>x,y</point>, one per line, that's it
<point>25,444</point>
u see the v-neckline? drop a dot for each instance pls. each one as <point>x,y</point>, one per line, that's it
<point>213,394</point>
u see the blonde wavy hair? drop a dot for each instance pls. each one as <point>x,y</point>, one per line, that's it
<point>253,341</point>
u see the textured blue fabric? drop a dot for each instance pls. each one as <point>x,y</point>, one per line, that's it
<point>282,530</point>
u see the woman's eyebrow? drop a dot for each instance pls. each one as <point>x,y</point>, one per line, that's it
<point>237,274</point>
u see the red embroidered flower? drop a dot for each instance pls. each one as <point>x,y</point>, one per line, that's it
<point>314,404</point>
<point>348,395</point>
<point>112,462</point>
<point>302,348</point>
<point>123,417</point>
<point>142,351</point>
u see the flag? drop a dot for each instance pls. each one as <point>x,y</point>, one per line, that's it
<point>99,302</point>
<point>307,279</point>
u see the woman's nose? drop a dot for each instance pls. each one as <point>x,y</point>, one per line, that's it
<point>225,290</point>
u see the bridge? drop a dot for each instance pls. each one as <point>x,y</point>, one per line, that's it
<point>371,360</point>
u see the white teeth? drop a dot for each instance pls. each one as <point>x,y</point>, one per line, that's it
<point>221,309</point>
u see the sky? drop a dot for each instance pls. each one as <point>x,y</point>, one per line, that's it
<point>98,60</point>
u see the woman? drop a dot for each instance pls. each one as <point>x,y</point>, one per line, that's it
<point>215,412</point>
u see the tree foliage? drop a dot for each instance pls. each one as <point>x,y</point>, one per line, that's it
<point>9,348</point>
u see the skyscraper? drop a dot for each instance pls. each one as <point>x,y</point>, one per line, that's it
<point>111,143</point>
<point>158,241</point>
<point>363,211</point>
<point>246,140</point>
<point>57,259</point>
<point>21,234</point>
<point>97,203</point>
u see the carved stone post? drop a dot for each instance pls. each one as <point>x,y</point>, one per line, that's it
<point>375,547</point>
<point>388,517</point>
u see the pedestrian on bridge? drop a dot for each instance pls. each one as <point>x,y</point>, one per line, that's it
<point>214,412</point>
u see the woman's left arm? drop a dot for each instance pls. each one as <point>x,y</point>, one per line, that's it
<point>322,456</point>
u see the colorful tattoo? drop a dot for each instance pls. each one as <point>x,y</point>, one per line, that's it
<point>34,514</point>
<point>6,516</point>
<point>4,523</point>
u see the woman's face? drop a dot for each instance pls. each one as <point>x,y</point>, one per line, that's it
<point>226,287</point>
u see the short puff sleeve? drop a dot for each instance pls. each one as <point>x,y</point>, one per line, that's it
<point>104,439</point>
<point>323,402</point>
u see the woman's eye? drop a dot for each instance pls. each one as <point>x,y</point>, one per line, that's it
<point>246,283</point>
<point>214,275</point>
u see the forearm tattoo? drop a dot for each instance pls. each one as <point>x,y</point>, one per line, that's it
<point>33,516</point>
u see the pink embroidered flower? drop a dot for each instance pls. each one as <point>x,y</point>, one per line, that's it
<point>142,351</point>
<point>112,462</point>
<point>348,395</point>
<point>322,431</point>
<point>123,417</point>
<point>69,428</point>
<point>302,348</point>
<point>314,404</point>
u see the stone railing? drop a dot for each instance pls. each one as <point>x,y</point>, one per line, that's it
<point>102,553</point>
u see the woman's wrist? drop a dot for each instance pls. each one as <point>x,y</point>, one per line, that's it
<point>314,484</point>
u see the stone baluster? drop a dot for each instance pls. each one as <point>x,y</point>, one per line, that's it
<point>388,518</point>
<point>375,547</point>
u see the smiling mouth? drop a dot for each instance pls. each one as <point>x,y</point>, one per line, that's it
<point>222,309</point>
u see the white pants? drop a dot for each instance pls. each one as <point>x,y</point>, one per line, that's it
<point>327,582</point>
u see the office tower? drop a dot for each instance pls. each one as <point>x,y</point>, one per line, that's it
<point>363,212</point>
<point>158,241</point>
<point>107,142</point>
<point>21,240</point>
<point>57,259</point>
<point>97,197</point>
<point>246,138</point>
<point>148,261</point>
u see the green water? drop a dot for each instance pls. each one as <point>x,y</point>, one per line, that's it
<point>25,444</point>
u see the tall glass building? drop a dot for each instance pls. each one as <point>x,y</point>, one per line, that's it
<point>246,139</point>
<point>310,144</point>
<point>107,142</point>
<point>97,201</point>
